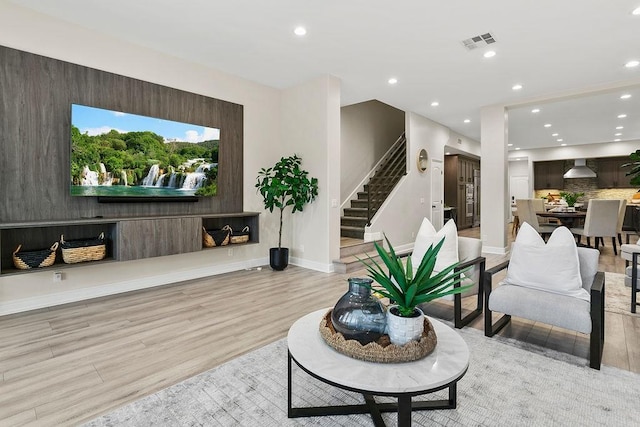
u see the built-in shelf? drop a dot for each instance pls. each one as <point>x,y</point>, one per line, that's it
<point>127,238</point>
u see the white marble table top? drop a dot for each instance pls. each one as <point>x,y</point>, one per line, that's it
<point>447,363</point>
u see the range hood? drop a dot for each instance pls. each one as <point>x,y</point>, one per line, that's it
<point>580,170</point>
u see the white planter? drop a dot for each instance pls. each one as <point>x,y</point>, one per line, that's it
<point>401,330</point>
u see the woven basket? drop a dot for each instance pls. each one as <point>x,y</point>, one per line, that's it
<point>74,251</point>
<point>238,236</point>
<point>34,259</point>
<point>213,238</point>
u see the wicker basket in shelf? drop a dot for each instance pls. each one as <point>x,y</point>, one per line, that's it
<point>74,251</point>
<point>213,238</point>
<point>238,236</point>
<point>26,260</point>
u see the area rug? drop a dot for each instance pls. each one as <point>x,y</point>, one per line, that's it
<point>504,386</point>
<point>617,295</point>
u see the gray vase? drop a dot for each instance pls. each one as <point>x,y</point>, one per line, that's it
<point>358,315</point>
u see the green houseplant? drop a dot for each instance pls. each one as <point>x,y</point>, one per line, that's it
<point>407,289</point>
<point>635,167</point>
<point>570,198</point>
<point>282,185</point>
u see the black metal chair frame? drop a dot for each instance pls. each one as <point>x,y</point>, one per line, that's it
<point>596,341</point>
<point>459,321</point>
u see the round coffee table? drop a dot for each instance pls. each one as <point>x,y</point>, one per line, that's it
<point>441,369</point>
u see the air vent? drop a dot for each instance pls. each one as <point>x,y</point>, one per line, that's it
<point>479,41</point>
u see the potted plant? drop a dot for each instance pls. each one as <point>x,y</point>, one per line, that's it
<point>571,198</point>
<point>285,184</point>
<point>635,167</point>
<point>406,290</point>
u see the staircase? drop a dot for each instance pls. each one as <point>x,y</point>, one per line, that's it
<point>388,172</point>
<point>350,251</point>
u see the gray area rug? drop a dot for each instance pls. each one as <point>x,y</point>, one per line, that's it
<point>617,295</point>
<point>505,386</point>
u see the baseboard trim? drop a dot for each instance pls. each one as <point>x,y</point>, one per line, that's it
<point>312,265</point>
<point>495,250</point>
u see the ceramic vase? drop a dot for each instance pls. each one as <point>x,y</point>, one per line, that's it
<point>358,315</point>
<point>402,330</point>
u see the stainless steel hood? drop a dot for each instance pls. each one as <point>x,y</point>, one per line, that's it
<point>580,170</point>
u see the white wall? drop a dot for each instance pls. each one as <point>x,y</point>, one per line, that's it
<point>588,151</point>
<point>460,144</point>
<point>311,129</point>
<point>263,143</point>
<point>367,131</point>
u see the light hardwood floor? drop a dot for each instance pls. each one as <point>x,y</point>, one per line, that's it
<point>68,364</point>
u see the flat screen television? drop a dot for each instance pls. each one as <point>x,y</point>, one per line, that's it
<point>120,156</point>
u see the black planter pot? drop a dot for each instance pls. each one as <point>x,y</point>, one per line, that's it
<point>279,258</point>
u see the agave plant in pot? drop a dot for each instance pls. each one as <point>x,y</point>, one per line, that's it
<point>407,289</point>
<point>285,184</point>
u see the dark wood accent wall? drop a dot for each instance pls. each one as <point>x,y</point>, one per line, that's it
<point>36,94</point>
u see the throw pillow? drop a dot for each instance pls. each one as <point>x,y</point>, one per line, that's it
<point>552,267</point>
<point>427,236</point>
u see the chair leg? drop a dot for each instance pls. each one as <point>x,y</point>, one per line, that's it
<point>490,328</point>
<point>615,250</point>
<point>589,242</point>
<point>620,239</point>
<point>596,338</point>
<point>579,237</point>
<point>634,281</point>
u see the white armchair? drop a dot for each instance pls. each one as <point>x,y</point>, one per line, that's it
<point>580,308</point>
<point>631,254</point>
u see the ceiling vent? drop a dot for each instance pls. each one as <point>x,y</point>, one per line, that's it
<point>479,41</point>
<point>580,170</point>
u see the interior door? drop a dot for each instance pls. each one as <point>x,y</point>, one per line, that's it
<point>518,189</point>
<point>437,193</point>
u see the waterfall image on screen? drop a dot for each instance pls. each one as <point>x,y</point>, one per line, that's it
<point>128,155</point>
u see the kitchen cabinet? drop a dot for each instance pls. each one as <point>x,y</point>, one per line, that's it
<point>548,175</point>
<point>462,189</point>
<point>611,174</point>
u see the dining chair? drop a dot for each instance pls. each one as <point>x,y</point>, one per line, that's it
<point>601,221</point>
<point>527,213</point>
<point>622,210</point>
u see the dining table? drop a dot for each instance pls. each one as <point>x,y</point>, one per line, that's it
<point>568,219</point>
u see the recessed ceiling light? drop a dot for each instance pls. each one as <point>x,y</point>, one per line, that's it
<point>619,127</point>
<point>509,145</point>
<point>559,139</point>
<point>625,96</point>
<point>618,134</point>
<point>435,103</point>
<point>547,125</point>
<point>300,31</point>
<point>563,145</point>
<point>517,148</point>
<point>632,64</point>
<point>447,153</point>
<point>393,81</point>
<point>516,87</point>
<point>622,116</point>
<point>554,134</point>
<point>490,54</point>
<point>636,11</point>
<point>535,110</point>
<point>467,120</point>
<point>617,140</point>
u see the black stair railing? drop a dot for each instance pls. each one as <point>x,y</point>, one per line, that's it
<point>391,169</point>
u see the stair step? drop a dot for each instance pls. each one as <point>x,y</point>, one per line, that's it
<point>353,221</point>
<point>358,248</point>
<point>359,204</point>
<point>362,195</point>
<point>355,232</point>
<point>356,212</point>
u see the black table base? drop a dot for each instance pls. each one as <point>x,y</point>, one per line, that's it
<point>403,407</point>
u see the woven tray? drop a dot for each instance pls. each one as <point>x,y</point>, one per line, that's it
<point>382,350</point>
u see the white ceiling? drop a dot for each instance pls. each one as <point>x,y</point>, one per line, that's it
<point>551,47</point>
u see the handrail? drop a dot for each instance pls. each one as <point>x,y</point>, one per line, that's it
<point>392,167</point>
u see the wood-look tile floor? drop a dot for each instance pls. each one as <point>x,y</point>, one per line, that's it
<point>68,364</point>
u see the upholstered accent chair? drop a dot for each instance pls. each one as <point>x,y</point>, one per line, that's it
<point>579,309</point>
<point>631,255</point>
<point>465,250</point>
